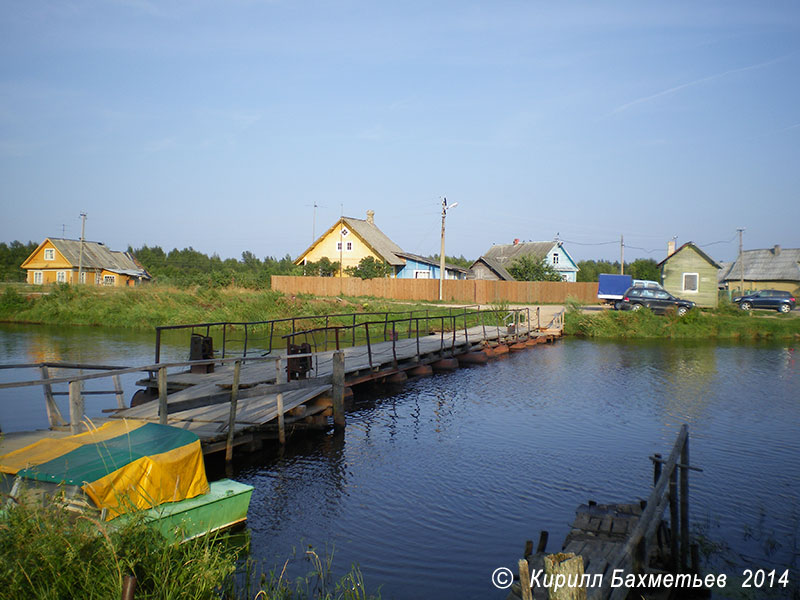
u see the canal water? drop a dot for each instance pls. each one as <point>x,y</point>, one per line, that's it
<point>439,482</point>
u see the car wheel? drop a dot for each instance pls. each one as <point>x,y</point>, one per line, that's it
<point>745,306</point>
<point>617,305</point>
<point>784,308</point>
<point>636,307</point>
<point>682,310</point>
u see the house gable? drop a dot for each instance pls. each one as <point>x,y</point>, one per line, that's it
<point>359,239</point>
<point>38,259</point>
<point>691,274</point>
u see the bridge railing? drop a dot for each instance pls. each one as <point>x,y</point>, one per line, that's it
<point>259,337</point>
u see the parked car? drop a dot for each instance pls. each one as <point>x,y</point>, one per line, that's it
<point>769,299</point>
<point>659,301</point>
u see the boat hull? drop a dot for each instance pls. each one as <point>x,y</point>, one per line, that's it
<point>224,506</point>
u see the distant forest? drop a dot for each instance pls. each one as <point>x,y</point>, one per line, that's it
<point>189,267</point>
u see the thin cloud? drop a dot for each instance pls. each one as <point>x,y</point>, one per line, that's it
<point>682,86</point>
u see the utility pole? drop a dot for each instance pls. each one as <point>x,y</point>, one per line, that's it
<point>621,255</point>
<point>741,262</point>
<point>441,254</point>
<point>80,259</point>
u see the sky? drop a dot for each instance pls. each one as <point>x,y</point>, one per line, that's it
<point>250,125</point>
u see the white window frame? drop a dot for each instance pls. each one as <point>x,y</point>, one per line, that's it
<point>49,253</point>
<point>422,274</point>
<point>109,280</point>
<point>339,246</point>
<point>61,277</point>
<point>348,246</point>
<point>555,258</point>
<point>38,278</point>
<point>97,279</point>
<point>697,283</point>
<point>83,276</point>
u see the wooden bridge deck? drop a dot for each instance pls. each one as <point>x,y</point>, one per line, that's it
<point>257,396</point>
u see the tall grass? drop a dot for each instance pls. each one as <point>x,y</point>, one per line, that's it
<point>49,554</point>
<point>146,307</point>
<point>722,323</point>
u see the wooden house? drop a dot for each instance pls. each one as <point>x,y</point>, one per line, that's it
<point>350,240</point>
<point>494,264</point>
<point>691,274</point>
<point>58,260</point>
<point>774,268</point>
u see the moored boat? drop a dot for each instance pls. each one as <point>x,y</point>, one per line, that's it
<point>129,469</point>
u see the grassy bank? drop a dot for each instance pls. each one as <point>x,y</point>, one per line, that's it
<point>150,306</point>
<point>726,322</point>
<point>46,554</point>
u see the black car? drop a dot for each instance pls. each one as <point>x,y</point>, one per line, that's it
<point>659,301</point>
<point>769,299</point>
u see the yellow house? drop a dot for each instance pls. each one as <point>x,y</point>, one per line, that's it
<point>58,260</point>
<point>349,240</point>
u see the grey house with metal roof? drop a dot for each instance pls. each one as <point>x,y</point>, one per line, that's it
<point>773,268</point>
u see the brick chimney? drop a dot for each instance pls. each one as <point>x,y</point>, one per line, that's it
<point>776,250</point>
<point>670,248</point>
<point>371,217</point>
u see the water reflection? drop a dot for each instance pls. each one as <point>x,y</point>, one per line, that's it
<point>435,484</point>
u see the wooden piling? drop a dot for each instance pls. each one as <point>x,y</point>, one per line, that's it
<point>54,416</point>
<point>684,492</point>
<point>237,369</point>
<point>118,391</point>
<point>337,390</point>
<point>566,564</point>
<point>279,378</point>
<point>525,580</point>
<point>162,395</point>
<point>76,406</point>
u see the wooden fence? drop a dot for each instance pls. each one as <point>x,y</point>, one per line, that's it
<point>467,291</point>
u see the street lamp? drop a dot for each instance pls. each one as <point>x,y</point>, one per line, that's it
<point>445,206</point>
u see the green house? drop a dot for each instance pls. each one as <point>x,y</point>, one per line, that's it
<point>691,274</point>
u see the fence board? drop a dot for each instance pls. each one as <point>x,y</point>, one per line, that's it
<point>469,291</point>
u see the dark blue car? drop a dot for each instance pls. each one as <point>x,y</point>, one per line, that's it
<point>768,299</point>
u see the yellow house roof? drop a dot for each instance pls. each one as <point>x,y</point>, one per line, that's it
<point>366,230</point>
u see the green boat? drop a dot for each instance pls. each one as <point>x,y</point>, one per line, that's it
<point>129,470</point>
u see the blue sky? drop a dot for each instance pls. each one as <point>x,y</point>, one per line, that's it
<point>219,125</point>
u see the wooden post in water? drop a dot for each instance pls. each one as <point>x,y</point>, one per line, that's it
<point>525,580</point>
<point>566,564</point>
<point>656,468</point>
<point>237,368</point>
<point>75,406</point>
<point>118,389</point>
<point>279,378</point>
<point>685,504</point>
<point>54,416</point>
<point>162,395</point>
<point>673,519</point>
<point>337,390</point>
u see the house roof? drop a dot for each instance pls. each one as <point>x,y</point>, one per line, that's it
<point>694,247</point>
<point>430,261</point>
<point>495,266</point>
<point>501,255</point>
<point>95,256</point>
<point>773,264</point>
<point>378,241</point>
